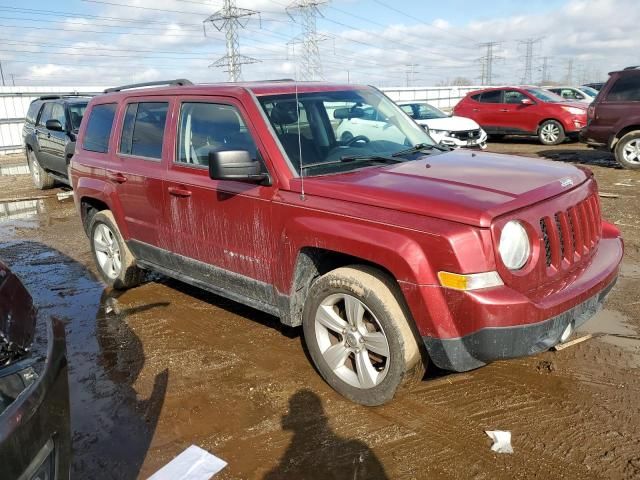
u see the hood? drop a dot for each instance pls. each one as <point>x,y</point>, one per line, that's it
<point>453,124</point>
<point>17,317</point>
<point>461,186</point>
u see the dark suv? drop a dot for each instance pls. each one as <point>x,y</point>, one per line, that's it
<point>613,119</point>
<point>389,250</point>
<point>49,135</point>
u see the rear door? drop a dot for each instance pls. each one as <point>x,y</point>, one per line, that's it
<point>487,111</point>
<point>220,229</point>
<point>137,170</point>
<point>42,137</point>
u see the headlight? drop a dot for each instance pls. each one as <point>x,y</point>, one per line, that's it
<point>444,133</point>
<point>514,246</point>
<point>574,110</point>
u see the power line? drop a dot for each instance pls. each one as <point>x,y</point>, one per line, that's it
<point>230,19</point>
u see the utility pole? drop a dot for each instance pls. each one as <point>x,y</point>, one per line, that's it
<point>13,79</point>
<point>231,18</point>
<point>305,12</point>
<point>487,62</point>
<point>2,73</point>
<point>410,73</point>
<point>527,77</point>
<point>569,78</point>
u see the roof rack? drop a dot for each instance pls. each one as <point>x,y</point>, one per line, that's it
<point>63,95</point>
<point>179,82</point>
<point>634,67</point>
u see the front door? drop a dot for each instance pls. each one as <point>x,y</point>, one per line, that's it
<point>220,230</point>
<point>520,117</point>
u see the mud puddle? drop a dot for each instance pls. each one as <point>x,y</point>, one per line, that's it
<point>7,170</point>
<point>21,209</point>
<point>613,327</point>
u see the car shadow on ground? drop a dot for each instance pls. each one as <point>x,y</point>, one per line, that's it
<point>583,157</point>
<point>111,426</point>
<point>316,451</point>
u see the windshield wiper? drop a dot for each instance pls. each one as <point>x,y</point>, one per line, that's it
<point>419,148</point>
<point>355,158</point>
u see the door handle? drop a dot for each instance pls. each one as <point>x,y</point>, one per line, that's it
<point>116,177</point>
<point>476,109</point>
<point>504,109</point>
<point>179,192</point>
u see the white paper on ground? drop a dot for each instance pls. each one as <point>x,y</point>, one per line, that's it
<point>192,464</point>
<point>501,441</point>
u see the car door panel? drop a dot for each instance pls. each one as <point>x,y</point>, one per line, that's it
<point>223,224</point>
<point>57,141</point>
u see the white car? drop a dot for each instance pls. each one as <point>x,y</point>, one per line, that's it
<point>449,130</point>
<point>582,94</point>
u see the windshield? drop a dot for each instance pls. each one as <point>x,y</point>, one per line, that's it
<point>592,92</point>
<point>334,127</point>
<point>76,112</point>
<point>545,95</point>
<point>422,111</point>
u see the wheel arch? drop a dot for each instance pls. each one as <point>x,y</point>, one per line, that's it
<point>622,132</point>
<point>546,120</point>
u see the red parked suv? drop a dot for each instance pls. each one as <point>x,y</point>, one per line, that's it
<point>524,111</point>
<point>388,254</point>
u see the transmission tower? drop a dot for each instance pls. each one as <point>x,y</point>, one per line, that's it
<point>305,12</point>
<point>569,78</point>
<point>545,71</point>
<point>487,62</point>
<point>230,19</point>
<point>527,77</point>
<point>411,71</point>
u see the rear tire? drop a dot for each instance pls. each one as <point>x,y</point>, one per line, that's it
<point>114,261</point>
<point>359,336</point>
<point>551,132</point>
<point>41,179</point>
<point>627,150</point>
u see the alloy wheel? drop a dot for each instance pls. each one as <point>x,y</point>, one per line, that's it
<point>352,341</point>
<point>631,151</point>
<point>107,251</point>
<point>550,133</point>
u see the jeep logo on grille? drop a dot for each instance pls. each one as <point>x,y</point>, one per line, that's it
<point>566,182</point>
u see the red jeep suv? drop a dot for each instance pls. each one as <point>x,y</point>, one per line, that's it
<point>390,253</point>
<point>524,111</point>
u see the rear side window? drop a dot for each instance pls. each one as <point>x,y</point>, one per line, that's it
<point>476,97</point>
<point>626,89</point>
<point>96,136</point>
<point>143,129</point>
<point>494,96</point>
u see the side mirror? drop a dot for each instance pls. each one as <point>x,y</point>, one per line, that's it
<point>235,165</point>
<point>526,101</point>
<point>54,125</point>
<point>426,127</point>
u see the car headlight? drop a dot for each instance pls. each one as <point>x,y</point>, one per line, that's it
<point>575,110</point>
<point>444,133</point>
<point>514,246</point>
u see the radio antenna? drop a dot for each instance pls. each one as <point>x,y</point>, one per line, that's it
<point>299,146</point>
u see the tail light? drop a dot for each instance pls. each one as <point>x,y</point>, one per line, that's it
<point>591,112</point>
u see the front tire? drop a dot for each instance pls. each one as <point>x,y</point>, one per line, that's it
<point>358,335</point>
<point>627,150</point>
<point>115,262</point>
<point>41,179</point>
<point>551,132</point>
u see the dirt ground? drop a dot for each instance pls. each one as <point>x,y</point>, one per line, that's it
<point>164,366</point>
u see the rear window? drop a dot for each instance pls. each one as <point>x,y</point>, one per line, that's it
<point>626,89</point>
<point>494,96</point>
<point>143,129</point>
<point>96,136</point>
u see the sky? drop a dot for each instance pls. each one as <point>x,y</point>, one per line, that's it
<point>381,42</point>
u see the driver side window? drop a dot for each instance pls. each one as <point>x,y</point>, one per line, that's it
<point>513,96</point>
<point>211,127</point>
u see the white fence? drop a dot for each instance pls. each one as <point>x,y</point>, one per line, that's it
<point>14,103</point>
<point>442,97</point>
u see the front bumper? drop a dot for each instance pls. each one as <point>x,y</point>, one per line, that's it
<point>455,142</point>
<point>34,428</point>
<point>489,344</point>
